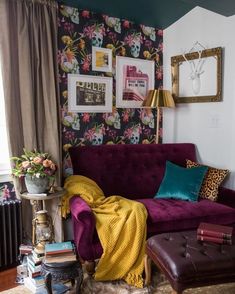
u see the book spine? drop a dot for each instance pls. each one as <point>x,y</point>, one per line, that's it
<point>214,239</point>
<point>58,252</point>
<point>214,234</point>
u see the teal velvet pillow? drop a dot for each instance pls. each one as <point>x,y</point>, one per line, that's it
<point>181,183</point>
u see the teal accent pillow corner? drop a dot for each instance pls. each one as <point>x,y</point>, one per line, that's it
<point>181,183</point>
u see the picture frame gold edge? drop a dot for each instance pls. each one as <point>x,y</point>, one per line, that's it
<point>175,61</point>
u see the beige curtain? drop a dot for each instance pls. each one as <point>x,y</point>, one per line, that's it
<point>29,65</point>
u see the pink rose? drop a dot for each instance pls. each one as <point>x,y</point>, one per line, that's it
<point>47,163</point>
<point>25,164</point>
<point>37,160</point>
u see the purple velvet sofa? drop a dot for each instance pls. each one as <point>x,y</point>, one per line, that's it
<point>135,172</point>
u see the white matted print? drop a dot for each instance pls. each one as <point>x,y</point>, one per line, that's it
<point>134,78</point>
<point>101,59</point>
<point>89,93</point>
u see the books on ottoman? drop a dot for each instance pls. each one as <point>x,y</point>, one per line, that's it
<point>215,233</point>
<point>214,239</point>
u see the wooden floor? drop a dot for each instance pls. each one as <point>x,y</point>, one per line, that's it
<point>7,279</point>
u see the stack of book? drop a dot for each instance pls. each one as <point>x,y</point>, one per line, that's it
<point>215,233</point>
<point>59,252</point>
<point>34,281</point>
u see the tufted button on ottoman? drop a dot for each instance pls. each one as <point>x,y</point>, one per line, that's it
<point>188,263</point>
<point>71,270</point>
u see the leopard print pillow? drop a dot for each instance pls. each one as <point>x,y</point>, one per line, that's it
<point>214,177</point>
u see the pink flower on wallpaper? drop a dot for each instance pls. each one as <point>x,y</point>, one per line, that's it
<point>128,133</point>
<point>125,117</point>
<point>86,117</point>
<point>89,134</point>
<point>159,74</point>
<point>69,135</point>
<point>112,36</point>
<point>86,63</point>
<point>126,24</point>
<point>160,46</point>
<point>69,27</point>
<point>86,13</point>
<point>6,192</point>
<point>148,44</point>
<point>88,31</point>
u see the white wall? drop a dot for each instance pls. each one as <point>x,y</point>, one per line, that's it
<point>194,122</point>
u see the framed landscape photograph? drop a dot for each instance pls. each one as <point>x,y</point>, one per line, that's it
<point>89,93</point>
<point>101,59</point>
<point>134,78</point>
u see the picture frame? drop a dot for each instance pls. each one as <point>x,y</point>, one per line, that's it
<point>210,76</point>
<point>89,93</point>
<point>101,59</point>
<point>134,78</point>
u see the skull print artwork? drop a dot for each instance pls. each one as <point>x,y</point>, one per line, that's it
<point>132,134</point>
<point>97,139</point>
<point>95,33</point>
<point>97,39</point>
<point>134,41</point>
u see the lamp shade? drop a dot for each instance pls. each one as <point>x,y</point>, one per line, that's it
<point>158,98</point>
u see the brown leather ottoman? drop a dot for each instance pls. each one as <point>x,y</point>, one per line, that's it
<point>188,263</point>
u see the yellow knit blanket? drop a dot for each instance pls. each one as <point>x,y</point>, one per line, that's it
<point>121,227</point>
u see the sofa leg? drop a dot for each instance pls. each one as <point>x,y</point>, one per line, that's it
<point>90,267</point>
<point>147,268</point>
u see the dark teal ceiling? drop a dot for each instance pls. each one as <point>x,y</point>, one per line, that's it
<point>156,13</point>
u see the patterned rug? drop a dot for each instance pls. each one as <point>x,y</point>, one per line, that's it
<point>159,286</point>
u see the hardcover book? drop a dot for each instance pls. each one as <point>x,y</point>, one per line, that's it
<point>58,248</point>
<point>214,239</point>
<point>213,230</point>
<point>56,259</point>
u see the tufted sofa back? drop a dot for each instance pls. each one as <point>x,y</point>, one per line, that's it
<point>131,171</point>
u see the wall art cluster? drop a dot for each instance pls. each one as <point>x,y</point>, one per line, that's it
<point>92,45</point>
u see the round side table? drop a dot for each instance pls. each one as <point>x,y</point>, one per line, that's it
<point>70,270</point>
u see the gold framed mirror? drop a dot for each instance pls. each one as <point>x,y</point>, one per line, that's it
<point>197,76</point>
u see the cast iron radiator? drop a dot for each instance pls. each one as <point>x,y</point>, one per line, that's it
<point>10,232</point>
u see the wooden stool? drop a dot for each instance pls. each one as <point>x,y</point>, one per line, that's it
<point>70,270</point>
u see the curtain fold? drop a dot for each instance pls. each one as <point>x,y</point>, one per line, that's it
<point>29,68</point>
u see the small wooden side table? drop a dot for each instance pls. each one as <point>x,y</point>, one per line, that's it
<point>70,270</point>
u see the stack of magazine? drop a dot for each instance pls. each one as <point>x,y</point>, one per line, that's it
<point>215,233</point>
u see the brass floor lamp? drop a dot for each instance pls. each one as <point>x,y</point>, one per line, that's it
<point>158,99</point>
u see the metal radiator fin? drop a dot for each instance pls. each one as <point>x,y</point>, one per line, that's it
<point>10,232</point>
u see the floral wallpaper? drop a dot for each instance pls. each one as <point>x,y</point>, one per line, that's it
<point>78,31</point>
<point>7,191</point>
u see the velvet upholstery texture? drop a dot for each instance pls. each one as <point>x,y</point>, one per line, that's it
<point>135,172</point>
<point>132,171</point>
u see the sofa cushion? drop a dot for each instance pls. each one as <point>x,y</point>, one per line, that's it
<point>168,215</point>
<point>213,179</point>
<point>181,183</point>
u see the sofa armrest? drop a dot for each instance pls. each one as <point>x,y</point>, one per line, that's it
<point>83,226</point>
<point>227,197</point>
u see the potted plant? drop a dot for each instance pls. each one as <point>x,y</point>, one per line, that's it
<point>36,168</point>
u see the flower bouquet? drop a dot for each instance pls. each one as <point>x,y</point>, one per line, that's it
<point>37,168</point>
